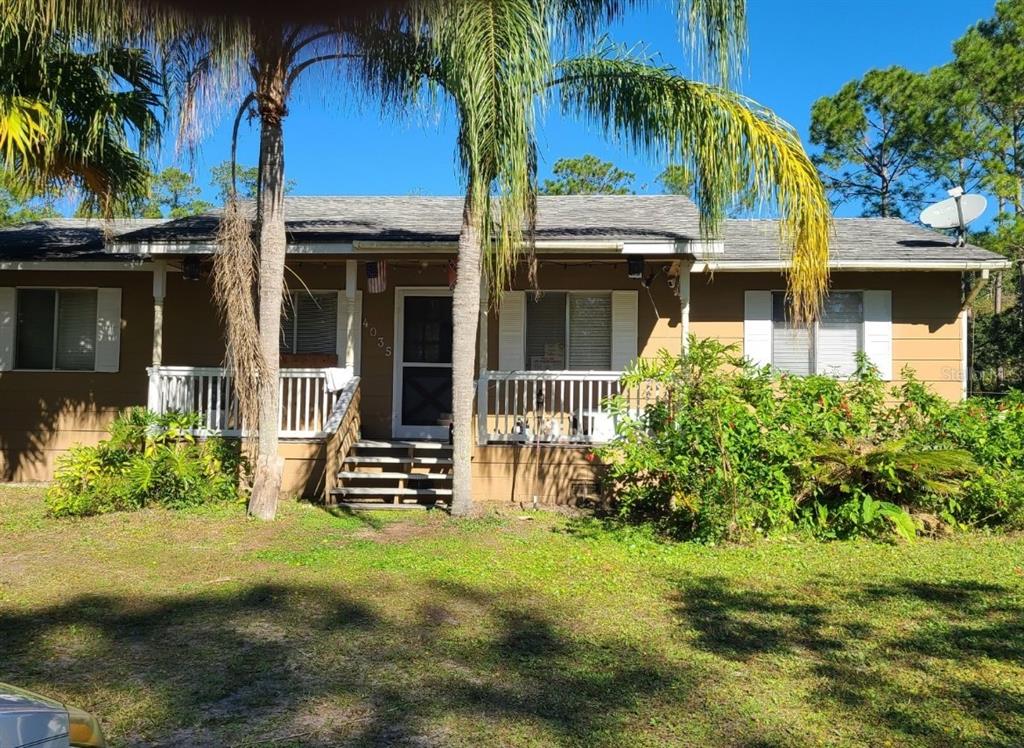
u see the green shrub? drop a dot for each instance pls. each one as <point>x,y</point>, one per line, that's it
<point>731,451</point>
<point>149,459</point>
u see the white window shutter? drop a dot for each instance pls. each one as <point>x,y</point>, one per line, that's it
<point>878,331</point>
<point>7,296</point>
<point>350,322</point>
<point>757,327</point>
<point>511,324</point>
<point>108,329</point>
<point>625,315</point>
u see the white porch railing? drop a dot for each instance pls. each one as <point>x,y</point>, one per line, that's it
<point>305,400</point>
<point>553,407</point>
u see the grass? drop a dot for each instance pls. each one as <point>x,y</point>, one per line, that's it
<point>205,628</point>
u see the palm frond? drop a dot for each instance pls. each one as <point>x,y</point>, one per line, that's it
<point>79,118</point>
<point>731,145</point>
<point>714,31</point>
<point>494,57</point>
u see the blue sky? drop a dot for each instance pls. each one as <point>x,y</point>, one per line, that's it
<point>799,50</point>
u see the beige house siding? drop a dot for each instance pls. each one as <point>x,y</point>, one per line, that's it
<point>42,414</point>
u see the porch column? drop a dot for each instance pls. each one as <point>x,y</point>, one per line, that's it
<point>159,291</point>
<point>351,323</point>
<point>685,268</point>
<point>482,363</point>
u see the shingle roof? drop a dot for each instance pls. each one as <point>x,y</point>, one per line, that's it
<point>856,240</point>
<point>432,219</point>
<point>66,238</point>
<point>327,220</point>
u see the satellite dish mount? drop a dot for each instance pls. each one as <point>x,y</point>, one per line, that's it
<point>955,213</point>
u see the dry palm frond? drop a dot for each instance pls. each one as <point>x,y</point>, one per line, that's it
<point>234,283</point>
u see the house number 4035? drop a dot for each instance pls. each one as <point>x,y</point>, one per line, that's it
<point>381,342</point>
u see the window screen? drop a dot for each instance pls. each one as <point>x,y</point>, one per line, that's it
<point>545,331</point>
<point>56,329</point>
<point>76,330</point>
<point>830,346</point>
<point>309,323</point>
<point>791,343</point>
<point>590,332</point>
<point>569,330</point>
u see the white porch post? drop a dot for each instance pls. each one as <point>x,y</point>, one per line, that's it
<point>352,324</point>
<point>482,354</point>
<point>685,268</point>
<point>159,292</point>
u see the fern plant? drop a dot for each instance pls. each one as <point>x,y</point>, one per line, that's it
<point>868,488</point>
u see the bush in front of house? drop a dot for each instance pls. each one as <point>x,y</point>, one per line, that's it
<point>730,451</point>
<point>149,459</point>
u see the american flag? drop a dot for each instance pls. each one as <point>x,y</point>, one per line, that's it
<point>376,276</point>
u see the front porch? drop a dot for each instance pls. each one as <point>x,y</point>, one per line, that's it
<point>376,367</point>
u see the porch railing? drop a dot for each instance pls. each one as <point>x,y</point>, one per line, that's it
<point>553,407</point>
<point>306,402</point>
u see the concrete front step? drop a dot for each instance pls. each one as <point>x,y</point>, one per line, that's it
<point>388,460</point>
<point>387,491</point>
<point>359,475</point>
<point>376,506</point>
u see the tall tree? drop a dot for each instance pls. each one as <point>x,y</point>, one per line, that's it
<point>989,62</point>
<point>676,179</point>
<point>18,205</point>
<point>275,56</point>
<point>587,175</point>
<point>175,192</point>
<point>488,54</point>
<point>239,179</point>
<point>869,134</point>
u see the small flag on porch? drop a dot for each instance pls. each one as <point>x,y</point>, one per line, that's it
<point>376,276</point>
<point>453,274</point>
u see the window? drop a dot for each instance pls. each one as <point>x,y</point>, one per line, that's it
<point>56,329</point>
<point>309,323</point>
<point>829,346</point>
<point>569,330</point>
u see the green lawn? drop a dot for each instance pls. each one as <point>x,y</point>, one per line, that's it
<point>210,629</point>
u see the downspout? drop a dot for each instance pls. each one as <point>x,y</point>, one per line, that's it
<point>967,326</point>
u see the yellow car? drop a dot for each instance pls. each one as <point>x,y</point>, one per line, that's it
<point>28,719</point>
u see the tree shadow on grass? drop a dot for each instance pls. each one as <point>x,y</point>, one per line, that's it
<point>867,644</point>
<point>310,665</point>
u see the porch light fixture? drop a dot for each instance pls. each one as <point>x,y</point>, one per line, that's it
<point>635,267</point>
<point>190,268</point>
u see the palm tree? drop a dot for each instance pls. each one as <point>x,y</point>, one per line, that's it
<point>274,57</point>
<point>208,59</point>
<point>493,58</point>
<point>67,117</point>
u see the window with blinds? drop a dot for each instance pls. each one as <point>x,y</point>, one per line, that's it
<point>829,346</point>
<point>569,330</point>
<point>55,329</point>
<point>309,323</point>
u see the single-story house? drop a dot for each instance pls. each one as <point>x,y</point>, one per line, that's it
<point>96,318</point>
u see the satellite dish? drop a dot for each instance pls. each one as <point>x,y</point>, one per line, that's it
<point>955,212</point>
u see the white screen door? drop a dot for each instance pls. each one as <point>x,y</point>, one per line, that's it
<point>423,363</point>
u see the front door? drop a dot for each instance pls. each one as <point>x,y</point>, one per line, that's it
<point>423,363</point>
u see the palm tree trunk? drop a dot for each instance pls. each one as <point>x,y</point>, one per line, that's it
<point>273,244</point>
<point>465,318</point>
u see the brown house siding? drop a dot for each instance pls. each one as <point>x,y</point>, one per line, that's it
<point>42,414</point>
